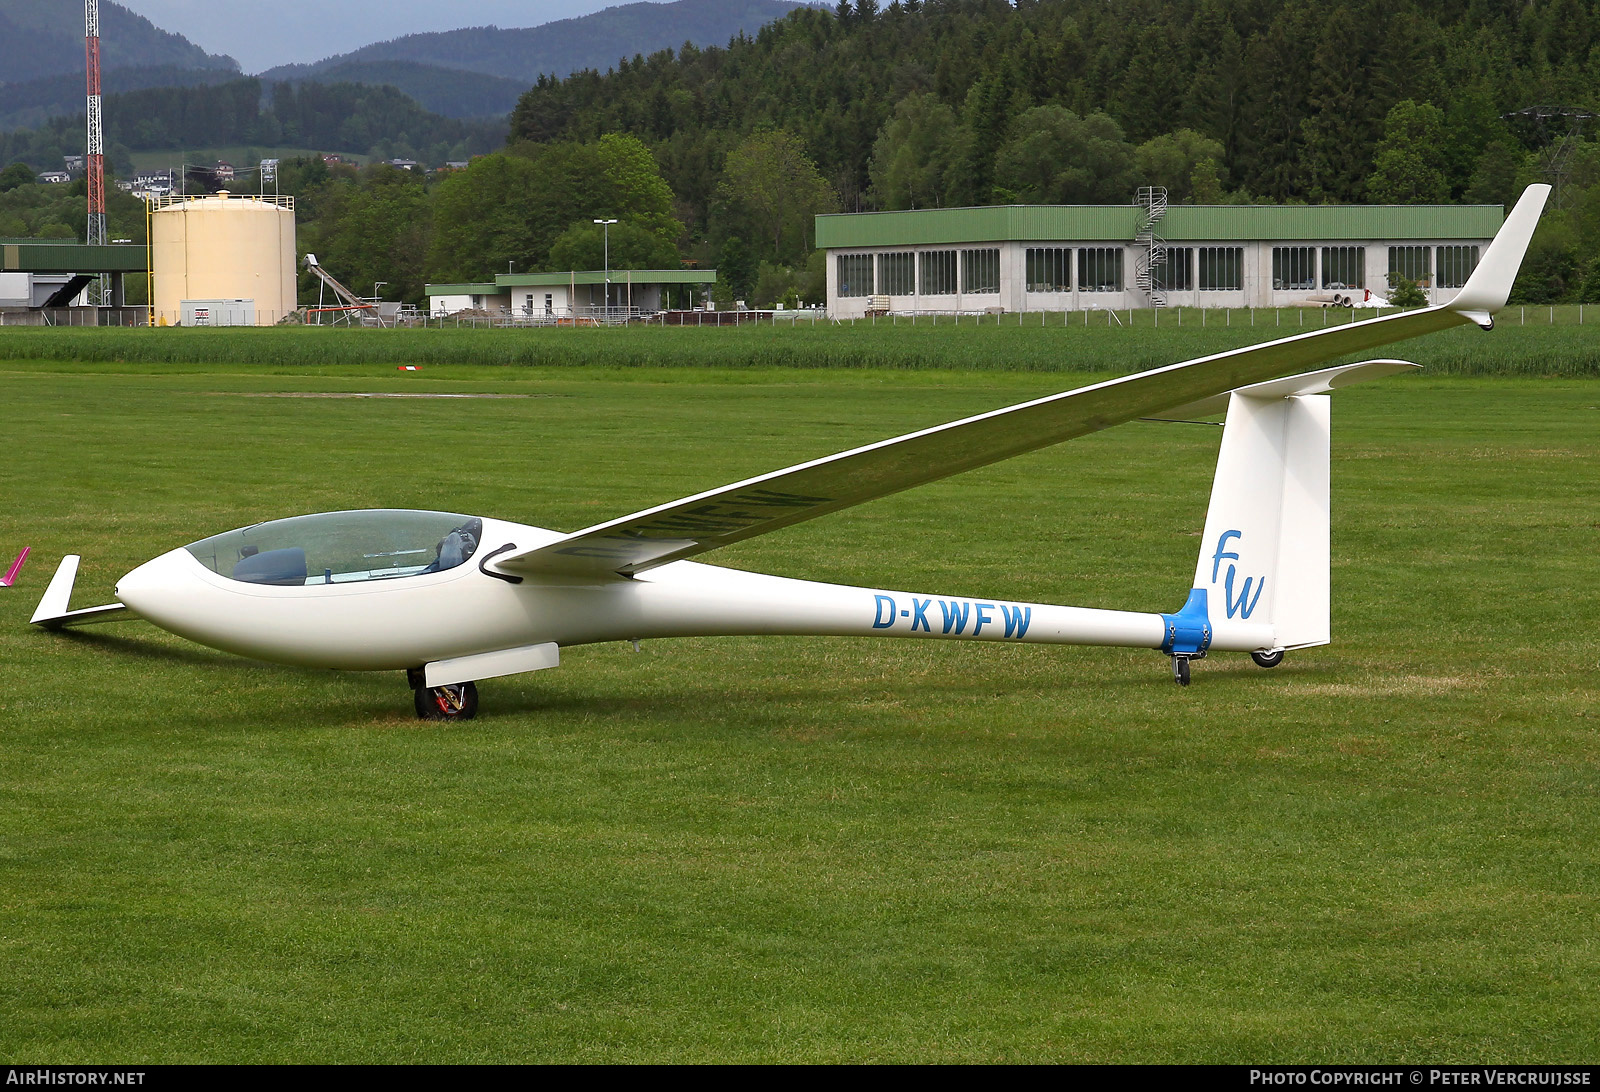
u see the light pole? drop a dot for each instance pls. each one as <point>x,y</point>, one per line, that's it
<point>377,312</point>
<point>606,226</point>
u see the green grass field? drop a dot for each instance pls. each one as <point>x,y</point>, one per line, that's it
<point>807,849</point>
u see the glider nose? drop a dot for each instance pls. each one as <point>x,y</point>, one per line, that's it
<point>156,583</point>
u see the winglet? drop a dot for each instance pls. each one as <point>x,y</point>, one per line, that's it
<point>1489,286</point>
<point>10,579</point>
<point>56,597</point>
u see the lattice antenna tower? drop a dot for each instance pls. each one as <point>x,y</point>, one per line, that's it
<point>94,161</point>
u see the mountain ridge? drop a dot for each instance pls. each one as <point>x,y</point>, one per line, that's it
<point>563,46</point>
<point>44,38</point>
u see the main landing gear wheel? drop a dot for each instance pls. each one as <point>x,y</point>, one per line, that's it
<point>458,702</point>
<point>1268,659</point>
<point>1180,670</point>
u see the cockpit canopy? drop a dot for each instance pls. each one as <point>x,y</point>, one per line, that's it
<point>341,547</point>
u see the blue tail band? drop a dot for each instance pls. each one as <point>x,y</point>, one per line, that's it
<point>1188,631</point>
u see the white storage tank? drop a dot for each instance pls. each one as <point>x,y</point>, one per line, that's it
<point>223,247</point>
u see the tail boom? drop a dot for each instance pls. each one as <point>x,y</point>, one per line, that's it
<point>692,599</point>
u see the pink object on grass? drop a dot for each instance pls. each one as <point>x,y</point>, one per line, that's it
<point>16,567</point>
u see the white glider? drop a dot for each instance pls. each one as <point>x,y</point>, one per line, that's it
<point>453,599</point>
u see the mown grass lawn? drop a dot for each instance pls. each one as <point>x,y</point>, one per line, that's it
<point>807,849</point>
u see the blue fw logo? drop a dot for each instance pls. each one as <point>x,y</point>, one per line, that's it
<point>1244,604</point>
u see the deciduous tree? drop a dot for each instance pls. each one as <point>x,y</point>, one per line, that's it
<point>912,153</point>
<point>1409,166</point>
<point>772,178</point>
<point>1055,157</point>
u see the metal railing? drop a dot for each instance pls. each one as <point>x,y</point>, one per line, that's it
<point>167,200</point>
<point>76,316</point>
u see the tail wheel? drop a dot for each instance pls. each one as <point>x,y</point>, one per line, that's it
<point>1268,659</point>
<point>457,702</point>
<point>1180,670</point>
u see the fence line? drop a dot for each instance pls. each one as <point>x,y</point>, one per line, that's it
<point>1543,314</point>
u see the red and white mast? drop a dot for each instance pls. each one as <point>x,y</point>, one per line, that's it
<point>94,161</point>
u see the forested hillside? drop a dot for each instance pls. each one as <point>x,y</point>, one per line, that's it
<point>451,92</point>
<point>961,102</point>
<point>1295,94</point>
<point>40,38</point>
<point>332,117</point>
<point>35,102</point>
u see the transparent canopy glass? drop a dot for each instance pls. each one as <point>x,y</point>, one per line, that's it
<point>339,547</point>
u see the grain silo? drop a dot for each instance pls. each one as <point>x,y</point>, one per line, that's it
<point>222,260</point>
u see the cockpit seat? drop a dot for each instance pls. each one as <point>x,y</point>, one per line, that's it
<point>286,566</point>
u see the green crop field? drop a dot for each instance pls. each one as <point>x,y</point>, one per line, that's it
<point>797,848</point>
<point>1537,341</point>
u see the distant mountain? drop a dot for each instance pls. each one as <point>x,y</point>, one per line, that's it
<point>43,38</point>
<point>453,92</point>
<point>26,105</point>
<point>343,117</point>
<point>595,41</point>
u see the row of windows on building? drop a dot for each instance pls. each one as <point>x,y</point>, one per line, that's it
<point>1100,269</point>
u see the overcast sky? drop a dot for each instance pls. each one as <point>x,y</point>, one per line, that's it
<point>260,36</point>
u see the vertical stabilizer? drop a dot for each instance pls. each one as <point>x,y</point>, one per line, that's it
<point>1265,553</point>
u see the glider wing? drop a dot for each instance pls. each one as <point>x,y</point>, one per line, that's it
<point>705,521</point>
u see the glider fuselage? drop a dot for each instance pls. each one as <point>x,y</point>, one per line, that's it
<point>471,609</point>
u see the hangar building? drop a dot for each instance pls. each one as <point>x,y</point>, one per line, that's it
<point>1081,257</point>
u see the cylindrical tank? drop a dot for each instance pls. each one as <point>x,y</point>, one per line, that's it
<point>223,247</point>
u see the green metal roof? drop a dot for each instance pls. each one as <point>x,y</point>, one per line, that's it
<point>995,223</point>
<point>1183,223</point>
<point>40,257</point>
<point>1202,223</point>
<point>487,288</point>
<point>618,276</point>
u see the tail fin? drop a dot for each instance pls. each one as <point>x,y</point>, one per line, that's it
<point>1265,553</point>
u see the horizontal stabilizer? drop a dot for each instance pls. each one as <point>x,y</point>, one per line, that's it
<point>1322,382</point>
<point>53,612</point>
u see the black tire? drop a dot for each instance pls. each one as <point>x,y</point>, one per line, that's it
<point>446,702</point>
<point>1180,670</point>
<point>1268,659</point>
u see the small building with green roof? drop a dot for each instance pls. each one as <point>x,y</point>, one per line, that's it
<point>537,298</point>
<point>1080,257</point>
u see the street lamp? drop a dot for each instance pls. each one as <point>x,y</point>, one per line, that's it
<point>606,227</point>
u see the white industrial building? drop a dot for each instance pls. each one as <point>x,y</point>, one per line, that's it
<point>1015,258</point>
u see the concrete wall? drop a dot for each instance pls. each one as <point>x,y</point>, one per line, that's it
<point>449,305</point>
